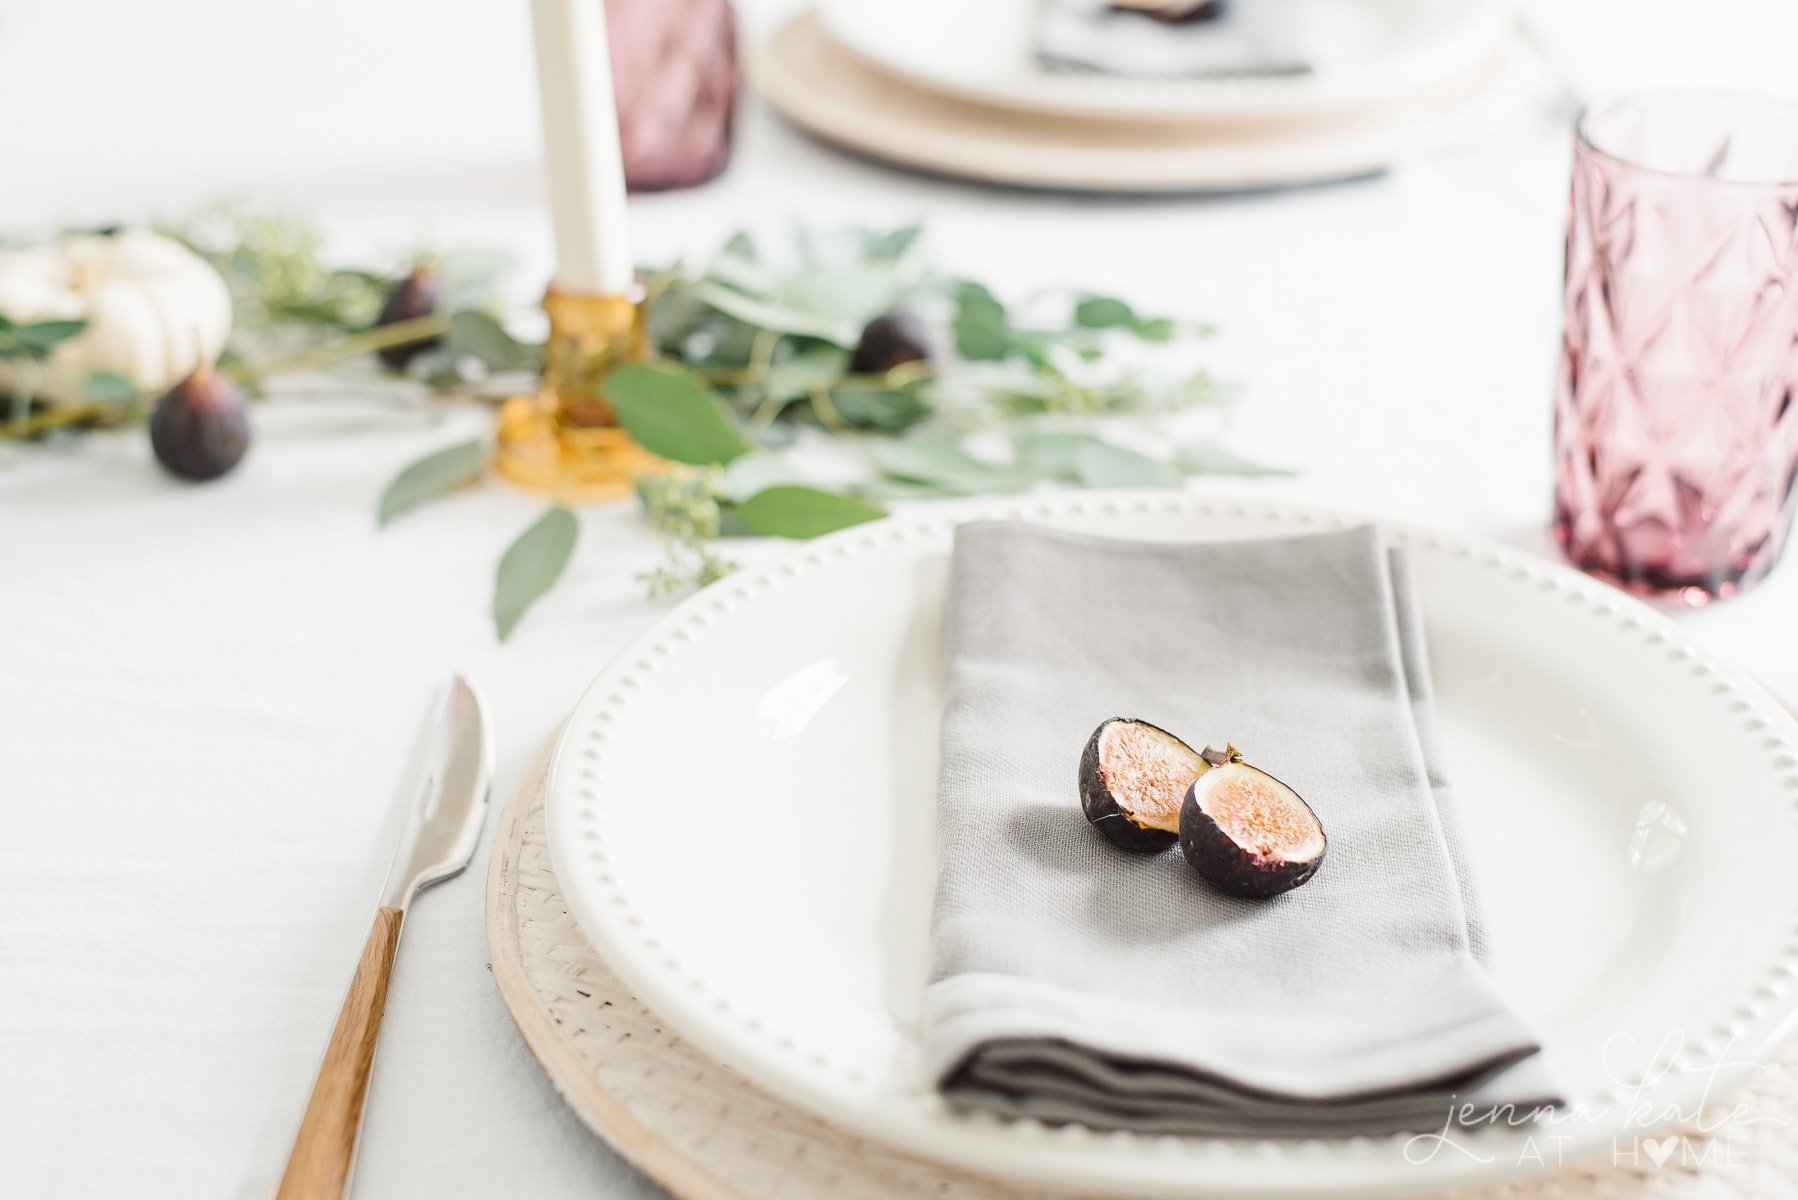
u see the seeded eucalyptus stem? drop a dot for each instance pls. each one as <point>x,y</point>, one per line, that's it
<point>828,416</point>
<point>24,383</point>
<point>368,341</point>
<point>72,414</point>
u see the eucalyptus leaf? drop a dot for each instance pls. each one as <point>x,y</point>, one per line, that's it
<point>440,366</point>
<point>36,339</point>
<point>1102,312</point>
<point>1051,453</point>
<point>943,464</point>
<point>739,264</point>
<point>982,331</point>
<point>479,335</point>
<point>896,245</point>
<point>898,490</point>
<point>471,275</point>
<point>1100,464</point>
<point>531,566</point>
<point>1204,458</point>
<point>432,476</point>
<point>755,472</point>
<point>816,366</point>
<point>108,387</point>
<point>803,512</point>
<point>772,314</point>
<point>887,410</point>
<point>1154,329</point>
<point>851,295</point>
<point>741,245</point>
<point>673,414</point>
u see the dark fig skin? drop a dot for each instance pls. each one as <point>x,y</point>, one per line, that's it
<point>891,340</point>
<point>415,296</point>
<point>1102,810</point>
<point>1215,855</point>
<point>1190,16</point>
<point>200,429</point>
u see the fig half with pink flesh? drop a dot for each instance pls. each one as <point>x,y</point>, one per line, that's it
<point>1247,833</point>
<point>1133,779</point>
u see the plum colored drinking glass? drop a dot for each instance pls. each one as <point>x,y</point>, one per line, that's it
<point>1676,438</point>
<point>674,65</point>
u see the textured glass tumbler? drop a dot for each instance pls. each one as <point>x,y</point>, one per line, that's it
<point>1676,438</point>
<point>674,65</point>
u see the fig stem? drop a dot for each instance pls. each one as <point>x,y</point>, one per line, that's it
<point>1217,758</point>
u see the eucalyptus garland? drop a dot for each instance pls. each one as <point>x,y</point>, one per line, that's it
<point>930,382</point>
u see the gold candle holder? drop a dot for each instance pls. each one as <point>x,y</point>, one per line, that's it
<point>565,439</point>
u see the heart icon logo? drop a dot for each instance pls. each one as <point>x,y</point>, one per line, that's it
<point>1659,1152</point>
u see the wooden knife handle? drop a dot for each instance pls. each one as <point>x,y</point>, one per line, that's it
<point>318,1166</point>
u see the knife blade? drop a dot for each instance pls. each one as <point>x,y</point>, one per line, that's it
<point>447,800</point>
<point>446,804</point>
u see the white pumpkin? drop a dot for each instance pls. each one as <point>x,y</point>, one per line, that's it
<point>155,309</point>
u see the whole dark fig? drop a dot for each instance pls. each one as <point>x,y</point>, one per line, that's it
<point>1247,833</point>
<point>890,340</point>
<point>415,296</point>
<point>199,429</point>
<point>1133,777</point>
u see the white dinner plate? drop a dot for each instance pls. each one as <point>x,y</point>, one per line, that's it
<point>742,815</point>
<point>1364,52</point>
<point>818,85</point>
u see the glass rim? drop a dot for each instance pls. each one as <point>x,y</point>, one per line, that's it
<point>1583,138</point>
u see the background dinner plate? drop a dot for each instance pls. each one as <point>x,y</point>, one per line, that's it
<point>808,77</point>
<point>742,816</point>
<point>1366,52</point>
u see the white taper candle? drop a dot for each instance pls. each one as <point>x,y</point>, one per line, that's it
<point>581,151</point>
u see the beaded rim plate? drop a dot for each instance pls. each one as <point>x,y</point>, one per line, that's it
<point>704,1133</point>
<point>741,815</point>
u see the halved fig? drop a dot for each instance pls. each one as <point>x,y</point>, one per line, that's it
<point>1133,777</point>
<point>1246,832</point>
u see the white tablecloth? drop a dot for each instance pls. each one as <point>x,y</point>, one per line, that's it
<point>206,693</point>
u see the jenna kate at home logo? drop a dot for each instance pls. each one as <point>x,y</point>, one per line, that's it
<point>1713,1128</point>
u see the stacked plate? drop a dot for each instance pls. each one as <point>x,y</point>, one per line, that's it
<point>741,815</point>
<point>956,88</point>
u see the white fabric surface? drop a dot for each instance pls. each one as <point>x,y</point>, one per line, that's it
<point>206,693</point>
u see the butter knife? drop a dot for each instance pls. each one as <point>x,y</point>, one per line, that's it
<point>446,805</point>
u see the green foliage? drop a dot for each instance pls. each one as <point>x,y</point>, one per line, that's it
<point>32,341</point>
<point>685,505</point>
<point>108,387</point>
<point>531,566</point>
<point>1206,458</point>
<point>803,512</point>
<point>1102,465</point>
<point>672,414</point>
<point>941,463</point>
<point>749,348</point>
<point>434,475</point>
<point>479,335</point>
<point>281,287</point>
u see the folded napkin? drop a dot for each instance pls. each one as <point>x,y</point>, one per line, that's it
<point>1251,37</point>
<point>1074,981</point>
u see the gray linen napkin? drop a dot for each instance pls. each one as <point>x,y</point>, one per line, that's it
<point>1074,981</point>
<point>1251,37</point>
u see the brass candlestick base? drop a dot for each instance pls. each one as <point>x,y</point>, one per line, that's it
<point>565,440</point>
